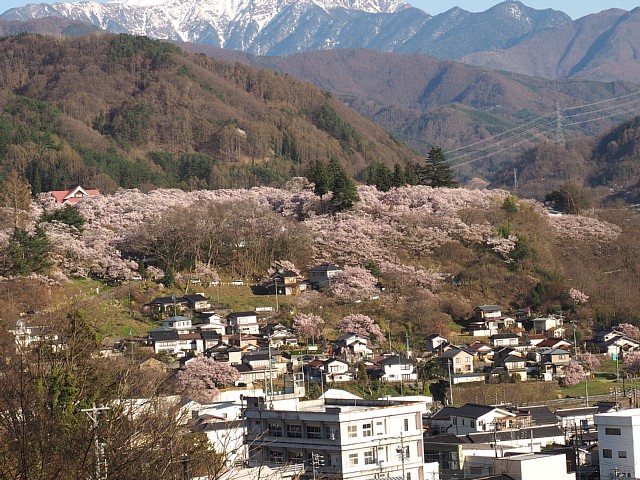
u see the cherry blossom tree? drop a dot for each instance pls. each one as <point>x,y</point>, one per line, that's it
<point>202,377</point>
<point>628,330</point>
<point>308,325</point>
<point>573,374</point>
<point>353,283</point>
<point>632,362</point>
<point>591,361</point>
<point>577,296</point>
<point>361,325</point>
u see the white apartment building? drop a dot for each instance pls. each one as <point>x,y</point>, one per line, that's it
<point>339,438</point>
<point>619,443</point>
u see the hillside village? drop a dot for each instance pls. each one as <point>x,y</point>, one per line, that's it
<point>266,423</point>
<point>254,367</point>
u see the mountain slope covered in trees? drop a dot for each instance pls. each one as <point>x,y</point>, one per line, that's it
<point>109,111</point>
<point>426,101</point>
<point>608,164</point>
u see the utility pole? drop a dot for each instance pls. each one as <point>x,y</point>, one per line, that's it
<point>100,472</point>
<point>400,451</point>
<point>450,379</point>
<point>515,180</point>
<point>270,372</point>
<point>275,283</point>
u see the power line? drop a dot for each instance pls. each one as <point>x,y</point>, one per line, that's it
<point>548,125</point>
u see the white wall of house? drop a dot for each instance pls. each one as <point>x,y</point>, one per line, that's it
<point>534,467</point>
<point>619,442</point>
<point>485,423</point>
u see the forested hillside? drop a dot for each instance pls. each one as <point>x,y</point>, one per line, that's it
<point>608,165</point>
<point>425,101</point>
<point>108,111</point>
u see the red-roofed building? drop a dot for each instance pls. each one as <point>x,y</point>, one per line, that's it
<point>73,195</point>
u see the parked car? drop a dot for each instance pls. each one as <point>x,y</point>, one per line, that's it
<point>237,282</point>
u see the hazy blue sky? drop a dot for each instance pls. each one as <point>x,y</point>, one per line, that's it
<point>574,8</point>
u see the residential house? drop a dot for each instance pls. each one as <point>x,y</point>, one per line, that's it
<point>211,322</point>
<point>553,343</point>
<point>260,360</point>
<point>619,443</point>
<point>331,370</point>
<point>393,368</point>
<point>287,282</point>
<point>457,360</point>
<point>572,418</point>
<point>440,422</point>
<point>226,353</point>
<point>557,332</point>
<point>473,417</point>
<point>197,302</point>
<point>485,312</point>
<point>27,337</point>
<point>514,365</point>
<point>244,323</point>
<point>482,328</point>
<point>458,378</point>
<point>73,195</point>
<point>278,335</point>
<point>320,276</point>
<point>353,347</point>
<point>504,340</point>
<point>480,350</point>
<point>435,343</point>
<point>244,342</point>
<point>544,324</point>
<point>348,439</point>
<point>509,323</point>
<point>176,335</point>
<point>534,339</point>
<point>553,361</point>
<point>172,304</point>
<point>613,343</point>
<point>210,338</point>
<point>525,466</point>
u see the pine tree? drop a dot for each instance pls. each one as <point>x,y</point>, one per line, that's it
<point>398,178</point>
<point>442,175</point>
<point>318,173</point>
<point>345,193</point>
<point>380,176</point>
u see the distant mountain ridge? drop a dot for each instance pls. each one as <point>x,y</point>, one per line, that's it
<point>280,27</point>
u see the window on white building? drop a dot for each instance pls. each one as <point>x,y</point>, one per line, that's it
<point>296,457</point>
<point>294,431</point>
<point>408,475</point>
<point>314,431</point>
<point>275,430</point>
<point>352,431</point>
<point>369,458</point>
<point>612,431</point>
<point>380,427</point>
<point>607,453</point>
<point>406,424</point>
<point>367,430</point>
<point>353,459</point>
<point>276,456</point>
<point>622,454</point>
